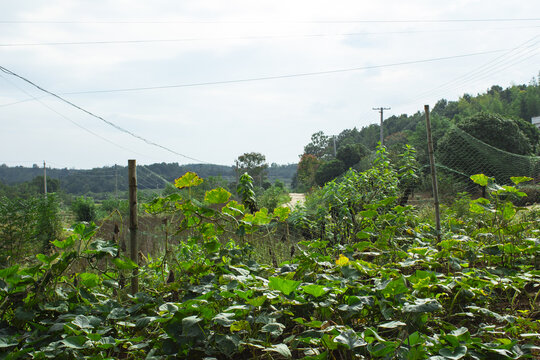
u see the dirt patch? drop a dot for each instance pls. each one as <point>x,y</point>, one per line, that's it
<point>296,198</point>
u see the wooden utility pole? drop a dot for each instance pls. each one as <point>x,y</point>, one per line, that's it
<point>433,174</point>
<point>133,223</point>
<point>44,178</point>
<point>381,110</point>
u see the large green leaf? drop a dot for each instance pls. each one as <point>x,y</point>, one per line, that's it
<point>350,339</point>
<point>191,326</point>
<point>227,344</point>
<point>233,208</point>
<point>284,285</point>
<point>422,306</point>
<point>480,179</point>
<point>314,289</point>
<point>261,217</point>
<point>82,322</point>
<point>392,324</point>
<point>454,354</point>
<point>8,341</point>
<point>89,280</point>
<point>480,206</point>
<point>519,179</point>
<point>212,245</point>
<point>75,342</point>
<point>47,259</point>
<point>274,329</point>
<point>188,180</point>
<point>224,319</point>
<point>393,287</point>
<point>509,210</point>
<point>282,212</point>
<point>217,196</point>
<point>281,349</point>
<point>368,213</point>
<point>240,325</point>
<point>68,242</point>
<point>107,247</point>
<point>124,263</point>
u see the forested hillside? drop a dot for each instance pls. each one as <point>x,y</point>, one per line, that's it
<point>500,118</point>
<point>29,180</point>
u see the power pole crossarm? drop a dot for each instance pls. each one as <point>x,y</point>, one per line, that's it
<point>381,110</point>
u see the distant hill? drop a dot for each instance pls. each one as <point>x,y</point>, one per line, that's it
<point>111,178</point>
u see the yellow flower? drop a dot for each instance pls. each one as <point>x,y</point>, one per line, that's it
<point>343,260</point>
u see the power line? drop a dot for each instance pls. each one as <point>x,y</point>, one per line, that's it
<point>70,120</point>
<point>9,72</point>
<point>285,76</point>
<point>349,21</point>
<point>155,174</point>
<point>261,37</point>
<point>485,69</point>
<point>223,82</point>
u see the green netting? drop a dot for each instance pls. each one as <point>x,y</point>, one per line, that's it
<point>460,155</point>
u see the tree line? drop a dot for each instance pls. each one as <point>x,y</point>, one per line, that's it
<point>499,117</point>
<point>28,181</point>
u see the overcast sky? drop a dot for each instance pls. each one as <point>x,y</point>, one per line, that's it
<point>221,78</point>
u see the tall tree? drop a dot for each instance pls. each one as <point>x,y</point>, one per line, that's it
<point>307,168</point>
<point>254,164</point>
<point>319,145</point>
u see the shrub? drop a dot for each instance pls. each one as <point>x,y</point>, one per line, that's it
<point>84,209</point>
<point>329,171</point>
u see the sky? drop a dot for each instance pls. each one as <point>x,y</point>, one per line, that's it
<point>206,81</point>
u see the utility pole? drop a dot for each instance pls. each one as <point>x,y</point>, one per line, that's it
<point>381,110</point>
<point>335,152</point>
<point>44,178</point>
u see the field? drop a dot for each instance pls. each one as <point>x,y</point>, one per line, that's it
<point>350,275</point>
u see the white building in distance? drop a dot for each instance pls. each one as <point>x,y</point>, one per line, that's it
<point>536,121</point>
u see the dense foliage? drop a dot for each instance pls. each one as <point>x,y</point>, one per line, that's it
<point>252,163</point>
<point>26,226</point>
<point>368,276</point>
<point>370,281</point>
<point>499,118</point>
<point>28,181</point>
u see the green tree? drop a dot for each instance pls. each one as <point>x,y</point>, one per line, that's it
<point>497,131</point>
<point>246,192</point>
<point>84,209</point>
<point>531,132</point>
<point>460,153</point>
<point>53,185</point>
<point>276,195</point>
<point>307,168</point>
<point>254,164</point>
<point>329,171</point>
<point>319,145</point>
<point>350,154</point>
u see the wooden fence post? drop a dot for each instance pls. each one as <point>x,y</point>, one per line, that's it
<point>433,174</point>
<point>133,223</point>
